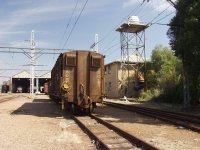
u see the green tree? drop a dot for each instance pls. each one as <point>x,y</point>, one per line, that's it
<point>184,34</point>
<point>165,74</point>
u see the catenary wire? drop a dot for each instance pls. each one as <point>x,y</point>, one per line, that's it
<point>132,11</point>
<point>75,24</point>
<point>150,23</point>
<point>159,15</point>
<point>156,22</point>
<point>68,23</point>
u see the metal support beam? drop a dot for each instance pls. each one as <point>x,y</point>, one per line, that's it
<point>133,59</point>
<point>32,68</point>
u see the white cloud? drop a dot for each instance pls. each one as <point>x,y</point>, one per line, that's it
<point>25,15</point>
<point>32,15</point>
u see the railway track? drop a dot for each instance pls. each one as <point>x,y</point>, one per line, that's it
<point>108,136</point>
<point>188,121</point>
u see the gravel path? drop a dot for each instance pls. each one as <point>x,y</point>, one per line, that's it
<point>27,124</point>
<point>163,135</point>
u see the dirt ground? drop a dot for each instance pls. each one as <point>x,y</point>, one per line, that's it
<point>41,124</point>
<point>160,134</point>
<point>27,124</point>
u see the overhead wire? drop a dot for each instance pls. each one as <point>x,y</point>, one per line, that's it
<point>111,41</point>
<point>68,23</point>
<point>136,10</point>
<point>75,23</point>
<point>132,11</point>
<point>151,22</point>
<point>156,22</point>
<point>110,53</point>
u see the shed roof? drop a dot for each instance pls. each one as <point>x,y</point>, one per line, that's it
<point>46,75</point>
<point>26,74</point>
<point>22,74</point>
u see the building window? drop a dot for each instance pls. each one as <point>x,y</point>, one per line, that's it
<point>109,86</point>
<point>109,70</point>
<point>105,70</point>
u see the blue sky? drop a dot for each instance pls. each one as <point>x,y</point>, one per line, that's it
<point>49,19</point>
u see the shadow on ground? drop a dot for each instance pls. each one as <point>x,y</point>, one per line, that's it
<point>41,108</point>
<point>117,115</point>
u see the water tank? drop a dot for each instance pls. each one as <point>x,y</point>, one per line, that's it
<point>133,20</point>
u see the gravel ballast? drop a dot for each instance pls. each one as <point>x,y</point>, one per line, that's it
<point>27,124</point>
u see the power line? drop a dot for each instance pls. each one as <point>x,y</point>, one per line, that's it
<point>142,7</point>
<point>69,22</point>
<point>111,41</point>
<point>158,15</point>
<point>26,51</point>
<point>172,3</point>
<point>135,9</point>
<point>113,46</point>
<point>24,48</point>
<point>163,17</point>
<point>113,29</point>
<point>171,25</point>
<point>17,52</point>
<point>75,24</point>
<point>23,69</point>
<point>150,21</point>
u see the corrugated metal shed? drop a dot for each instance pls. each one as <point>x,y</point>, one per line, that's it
<point>22,74</point>
<point>46,75</point>
<point>20,82</point>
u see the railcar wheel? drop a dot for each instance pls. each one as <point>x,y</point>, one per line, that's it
<point>89,110</point>
<point>73,109</point>
<point>66,106</point>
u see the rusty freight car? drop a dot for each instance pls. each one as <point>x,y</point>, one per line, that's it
<point>46,88</point>
<point>4,88</point>
<point>77,80</point>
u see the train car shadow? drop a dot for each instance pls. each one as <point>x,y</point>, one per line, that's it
<point>117,115</point>
<point>40,108</point>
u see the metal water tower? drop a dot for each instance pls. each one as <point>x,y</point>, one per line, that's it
<point>133,59</point>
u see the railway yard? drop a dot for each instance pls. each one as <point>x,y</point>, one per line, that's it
<point>39,123</point>
<point>77,85</point>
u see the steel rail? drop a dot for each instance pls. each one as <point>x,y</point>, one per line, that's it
<point>101,144</point>
<point>171,118</point>
<point>178,116</point>
<point>133,139</point>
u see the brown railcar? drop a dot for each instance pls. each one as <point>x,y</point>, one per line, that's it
<point>46,88</point>
<point>4,88</point>
<point>77,80</point>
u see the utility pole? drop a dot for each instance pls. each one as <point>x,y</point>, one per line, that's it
<point>32,68</point>
<point>37,82</point>
<point>172,3</point>
<point>95,45</point>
